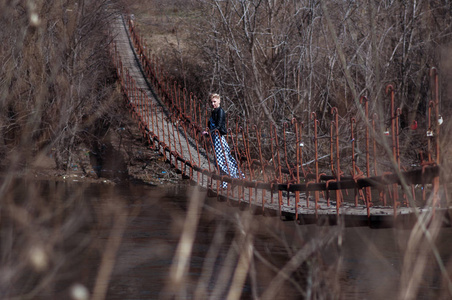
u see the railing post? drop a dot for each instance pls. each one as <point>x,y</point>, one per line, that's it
<point>317,177</point>
<point>438,121</point>
<point>352,139</point>
<point>280,177</point>
<point>338,164</point>
<point>390,91</point>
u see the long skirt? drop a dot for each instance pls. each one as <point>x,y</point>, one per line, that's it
<point>224,159</point>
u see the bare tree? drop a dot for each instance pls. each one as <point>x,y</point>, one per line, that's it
<point>275,60</point>
<point>55,74</point>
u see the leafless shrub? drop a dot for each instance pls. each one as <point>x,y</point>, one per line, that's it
<point>55,75</point>
<point>286,49</point>
<point>233,260</point>
<point>55,81</point>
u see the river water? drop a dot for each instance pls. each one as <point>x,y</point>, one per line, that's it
<point>323,261</point>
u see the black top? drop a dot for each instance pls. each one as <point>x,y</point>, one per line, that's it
<point>218,121</point>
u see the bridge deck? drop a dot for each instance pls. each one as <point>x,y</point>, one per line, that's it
<point>167,131</point>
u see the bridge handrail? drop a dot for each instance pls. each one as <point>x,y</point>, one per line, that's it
<point>282,179</point>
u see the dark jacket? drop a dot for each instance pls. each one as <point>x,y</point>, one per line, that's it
<point>218,121</point>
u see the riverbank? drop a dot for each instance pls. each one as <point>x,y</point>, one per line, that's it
<point>122,154</point>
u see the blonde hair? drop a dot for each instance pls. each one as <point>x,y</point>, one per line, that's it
<point>214,95</point>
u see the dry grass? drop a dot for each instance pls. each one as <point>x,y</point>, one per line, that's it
<point>165,24</point>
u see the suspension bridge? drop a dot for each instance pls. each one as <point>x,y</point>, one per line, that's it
<point>279,180</point>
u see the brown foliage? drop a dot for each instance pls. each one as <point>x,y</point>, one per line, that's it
<point>54,76</point>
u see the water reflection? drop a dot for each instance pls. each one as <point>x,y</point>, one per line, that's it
<point>346,263</point>
<point>369,263</point>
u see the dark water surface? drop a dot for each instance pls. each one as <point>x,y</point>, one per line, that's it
<point>368,264</point>
<point>359,263</point>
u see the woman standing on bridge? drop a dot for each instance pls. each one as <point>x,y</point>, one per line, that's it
<point>217,126</point>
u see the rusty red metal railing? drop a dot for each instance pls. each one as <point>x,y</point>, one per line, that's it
<point>275,163</point>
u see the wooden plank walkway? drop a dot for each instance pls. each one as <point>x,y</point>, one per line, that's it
<point>261,201</point>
